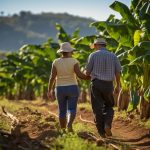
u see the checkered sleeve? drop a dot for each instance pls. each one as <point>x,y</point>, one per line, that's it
<point>89,65</point>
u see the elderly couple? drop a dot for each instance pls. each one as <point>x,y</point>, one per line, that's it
<point>102,68</point>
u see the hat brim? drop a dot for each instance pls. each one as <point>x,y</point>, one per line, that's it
<point>61,50</point>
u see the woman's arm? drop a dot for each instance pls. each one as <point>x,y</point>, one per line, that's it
<point>51,80</point>
<point>79,73</point>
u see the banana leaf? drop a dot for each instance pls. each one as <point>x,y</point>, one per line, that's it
<point>147,94</point>
<point>125,13</point>
<point>86,40</point>
<point>62,35</point>
<point>120,33</point>
<point>123,34</point>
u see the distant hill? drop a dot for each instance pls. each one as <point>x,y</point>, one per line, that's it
<point>28,28</point>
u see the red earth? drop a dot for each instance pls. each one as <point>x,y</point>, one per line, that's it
<point>127,134</point>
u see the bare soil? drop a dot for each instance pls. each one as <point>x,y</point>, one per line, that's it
<point>126,132</point>
<point>38,130</point>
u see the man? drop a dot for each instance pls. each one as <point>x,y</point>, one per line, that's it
<point>103,67</point>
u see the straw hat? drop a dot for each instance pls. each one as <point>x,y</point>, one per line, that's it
<point>65,47</point>
<point>100,41</point>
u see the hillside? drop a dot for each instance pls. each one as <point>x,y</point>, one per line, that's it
<point>25,28</point>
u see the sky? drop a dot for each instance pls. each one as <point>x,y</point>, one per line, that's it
<point>96,9</point>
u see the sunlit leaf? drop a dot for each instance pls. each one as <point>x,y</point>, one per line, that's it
<point>124,12</point>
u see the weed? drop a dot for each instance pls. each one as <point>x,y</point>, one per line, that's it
<point>86,106</point>
<point>4,124</point>
<point>10,105</point>
<point>145,123</point>
<point>73,142</point>
<point>83,127</point>
<point>120,114</point>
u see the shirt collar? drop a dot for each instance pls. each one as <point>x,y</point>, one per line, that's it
<point>102,49</point>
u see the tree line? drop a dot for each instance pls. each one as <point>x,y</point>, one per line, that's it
<point>27,28</point>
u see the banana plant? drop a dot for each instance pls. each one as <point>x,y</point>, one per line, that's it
<point>132,33</point>
<point>25,74</point>
<point>39,58</point>
<point>7,67</point>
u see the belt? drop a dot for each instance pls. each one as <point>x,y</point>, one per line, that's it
<point>95,79</point>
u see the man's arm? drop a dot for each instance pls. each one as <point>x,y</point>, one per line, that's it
<point>117,78</point>
<point>89,65</point>
<point>118,69</point>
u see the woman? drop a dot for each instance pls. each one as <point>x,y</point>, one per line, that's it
<point>64,71</point>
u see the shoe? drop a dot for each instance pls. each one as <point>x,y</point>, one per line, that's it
<point>99,142</point>
<point>108,131</point>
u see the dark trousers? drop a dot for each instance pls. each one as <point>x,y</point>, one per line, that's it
<point>102,103</point>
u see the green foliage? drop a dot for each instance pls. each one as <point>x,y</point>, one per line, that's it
<point>10,105</point>
<point>147,94</point>
<point>73,142</point>
<point>80,127</point>
<point>27,72</point>
<point>137,37</point>
<point>85,106</point>
<point>120,33</point>
<point>62,35</point>
<point>124,12</point>
<point>132,34</point>
<point>4,124</point>
<point>146,123</point>
<point>120,114</point>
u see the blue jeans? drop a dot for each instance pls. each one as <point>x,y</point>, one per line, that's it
<point>67,97</point>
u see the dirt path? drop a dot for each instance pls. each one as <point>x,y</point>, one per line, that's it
<point>39,128</point>
<point>125,132</point>
<point>131,134</point>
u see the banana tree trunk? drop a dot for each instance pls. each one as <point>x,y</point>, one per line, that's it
<point>83,96</point>
<point>144,108</point>
<point>115,98</point>
<point>29,93</point>
<point>123,100</point>
<point>44,95</point>
<point>10,96</point>
<point>20,94</point>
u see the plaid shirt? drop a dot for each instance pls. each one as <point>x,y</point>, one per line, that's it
<point>103,65</point>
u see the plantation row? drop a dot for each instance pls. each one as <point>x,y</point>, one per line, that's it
<point>24,74</point>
